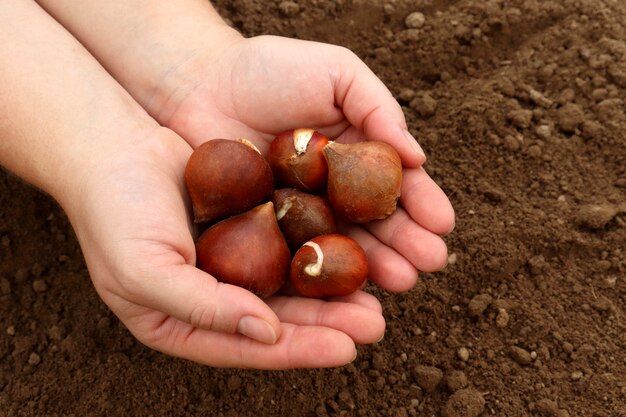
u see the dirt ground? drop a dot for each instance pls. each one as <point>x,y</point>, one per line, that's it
<point>520,108</point>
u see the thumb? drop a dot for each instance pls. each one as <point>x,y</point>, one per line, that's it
<point>371,108</point>
<point>197,298</point>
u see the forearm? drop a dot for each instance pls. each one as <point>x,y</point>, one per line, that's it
<point>59,109</point>
<point>147,45</point>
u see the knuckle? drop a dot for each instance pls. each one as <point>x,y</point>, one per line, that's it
<point>202,316</point>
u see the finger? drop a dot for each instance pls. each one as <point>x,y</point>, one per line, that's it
<point>358,297</point>
<point>426,202</point>
<point>362,324</point>
<point>196,298</point>
<point>424,249</point>
<point>361,298</point>
<point>387,267</point>
<point>334,131</point>
<point>371,107</point>
<point>298,347</point>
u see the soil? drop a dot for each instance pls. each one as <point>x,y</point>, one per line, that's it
<point>519,106</point>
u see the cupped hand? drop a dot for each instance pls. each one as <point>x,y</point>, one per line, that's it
<point>258,87</point>
<point>132,219</point>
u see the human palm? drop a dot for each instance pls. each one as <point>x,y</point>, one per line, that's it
<point>133,223</point>
<point>257,87</point>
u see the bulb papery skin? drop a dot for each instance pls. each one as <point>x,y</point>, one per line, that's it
<point>248,143</point>
<point>329,266</point>
<point>364,180</point>
<point>247,250</point>
<point>226,177</point>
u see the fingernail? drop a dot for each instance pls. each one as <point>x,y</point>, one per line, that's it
<point>451,230</point>
<point>413,142</point>
<point>356,353</point>
<point>257,329</point>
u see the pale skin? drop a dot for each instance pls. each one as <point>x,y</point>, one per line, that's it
<point>111,146</point>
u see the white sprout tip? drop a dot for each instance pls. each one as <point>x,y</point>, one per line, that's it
<point>301,139</point>
<point>315,269</point>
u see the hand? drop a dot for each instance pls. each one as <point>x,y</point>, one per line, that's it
<point>199,77</point>
<point>202,80</point>
<point>255,88</point>
<point>132,221</point>
<point>78,135</point>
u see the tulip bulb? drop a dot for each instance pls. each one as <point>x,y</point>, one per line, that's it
<point>297,161</point>
<point>226,177</point>
<point>247,250</point>
<point>364,180</point>
<point>329,265</point>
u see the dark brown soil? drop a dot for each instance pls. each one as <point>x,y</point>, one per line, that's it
<point>520,108</point>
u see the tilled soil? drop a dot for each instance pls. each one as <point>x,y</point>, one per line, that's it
<point>520,108</point>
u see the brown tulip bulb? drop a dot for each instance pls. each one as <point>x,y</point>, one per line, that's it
<point>297,161</point>
<point>302,216</point>
<point>364,180</point>
<point>226,177</point>
<point>247,250</point>
<point>329,266</point>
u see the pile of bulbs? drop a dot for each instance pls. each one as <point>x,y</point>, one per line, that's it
<point>261,236</point>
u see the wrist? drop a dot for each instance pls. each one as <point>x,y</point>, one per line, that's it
<point>149,47</point>
<point>64,117</point>
<point>161,90</point>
